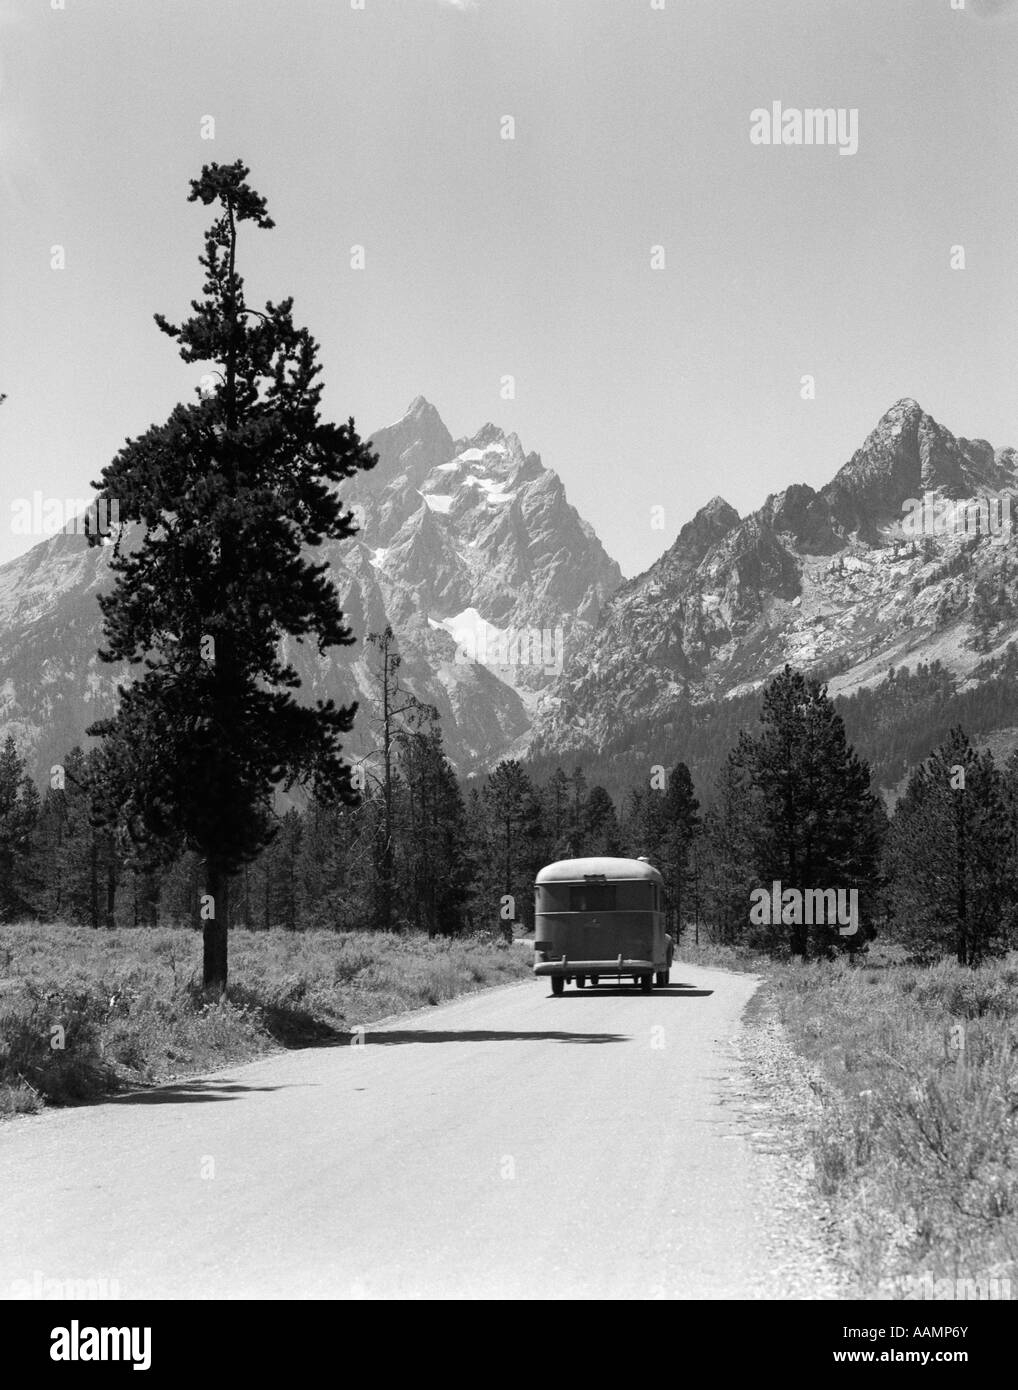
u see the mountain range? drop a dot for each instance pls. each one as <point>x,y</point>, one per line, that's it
<point>848,581</point>
<point>513,620</point>
<point>465,546</point>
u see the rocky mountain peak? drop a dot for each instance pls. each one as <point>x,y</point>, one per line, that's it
<point>712,522</point>
<point>906,454</point>
<point>421,410</point>
<point>456,540</point>
<point>475,539</point>
<point>715,518</point>
<point>817,579</point>
<point>717,507</point>
<point>487,434</point>
<point>412,447</point>
<point>906,409</point>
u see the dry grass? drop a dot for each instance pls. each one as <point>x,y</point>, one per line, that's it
<point>715,957</point>
<point>84,1013</point>
<point>916,1069</point>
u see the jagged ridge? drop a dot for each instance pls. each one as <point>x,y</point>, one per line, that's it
<point>825,580</point>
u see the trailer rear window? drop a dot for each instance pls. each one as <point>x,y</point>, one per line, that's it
<point>592,897</point>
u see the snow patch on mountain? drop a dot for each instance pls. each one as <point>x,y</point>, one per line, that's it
<point>470,631</point>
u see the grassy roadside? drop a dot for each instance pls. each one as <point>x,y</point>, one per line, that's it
<point>86,1013</point>
<point>916,1141</point>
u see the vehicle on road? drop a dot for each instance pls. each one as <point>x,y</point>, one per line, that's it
<point>598,918</point>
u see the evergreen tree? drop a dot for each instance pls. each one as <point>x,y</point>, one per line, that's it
<point>1009,793</point>
<point>949,855</point>
<point>231,491</point>
<point>477,905</point>
<point>557,813</point>
<point>514,835</point>
<point>434,866</point>
<point>577,812</point>
<point>141,887</point>
<point>724,858</point>
<point>83,857</point>
<point>600,833</point>
<point>681,823</point>
<point>320,864</point>
<point>19,813</point>
<point>282,886</point>
<point>813,821</point>
<point>631,822</point>
<point>393,708</point>
<point>180,886</point>
<point>661,823</point>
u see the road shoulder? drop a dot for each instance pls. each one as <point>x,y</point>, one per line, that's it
<point>778,1109</point>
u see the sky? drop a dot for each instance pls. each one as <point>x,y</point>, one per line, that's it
<point>649,387</point>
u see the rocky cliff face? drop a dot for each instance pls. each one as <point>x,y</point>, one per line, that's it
<point>845,582</point>
<point>513,621</point>
<point>908,454</point>
<point>468,548</point>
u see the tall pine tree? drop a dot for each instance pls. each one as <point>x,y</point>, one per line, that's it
<point>511,842</point>
<point>813,821</point>
<point>433,865</point>
<point>949,855</point>
<point>230,492</point>
<point>681,823</point>
<point>19,812</point>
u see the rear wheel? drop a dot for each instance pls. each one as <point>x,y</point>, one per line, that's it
<point>558,984</point>
<point>595,979</point>
<point>581,980</point>
<point>661,978</point>
<point>646,983</point>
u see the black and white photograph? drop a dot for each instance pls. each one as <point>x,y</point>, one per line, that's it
<point>508,671</point>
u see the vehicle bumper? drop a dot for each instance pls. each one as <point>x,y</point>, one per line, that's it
<point>621,965</point>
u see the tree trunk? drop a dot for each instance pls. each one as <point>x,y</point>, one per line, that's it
<point>214,928</point>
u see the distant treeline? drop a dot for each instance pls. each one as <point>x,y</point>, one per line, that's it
<point>455,860</point>
<point>792,804</point>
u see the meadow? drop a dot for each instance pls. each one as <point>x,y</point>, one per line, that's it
<point>915,1140</point>
<point>86,1013</point>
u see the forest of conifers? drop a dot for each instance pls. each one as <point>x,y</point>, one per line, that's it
<point>790,801</point>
